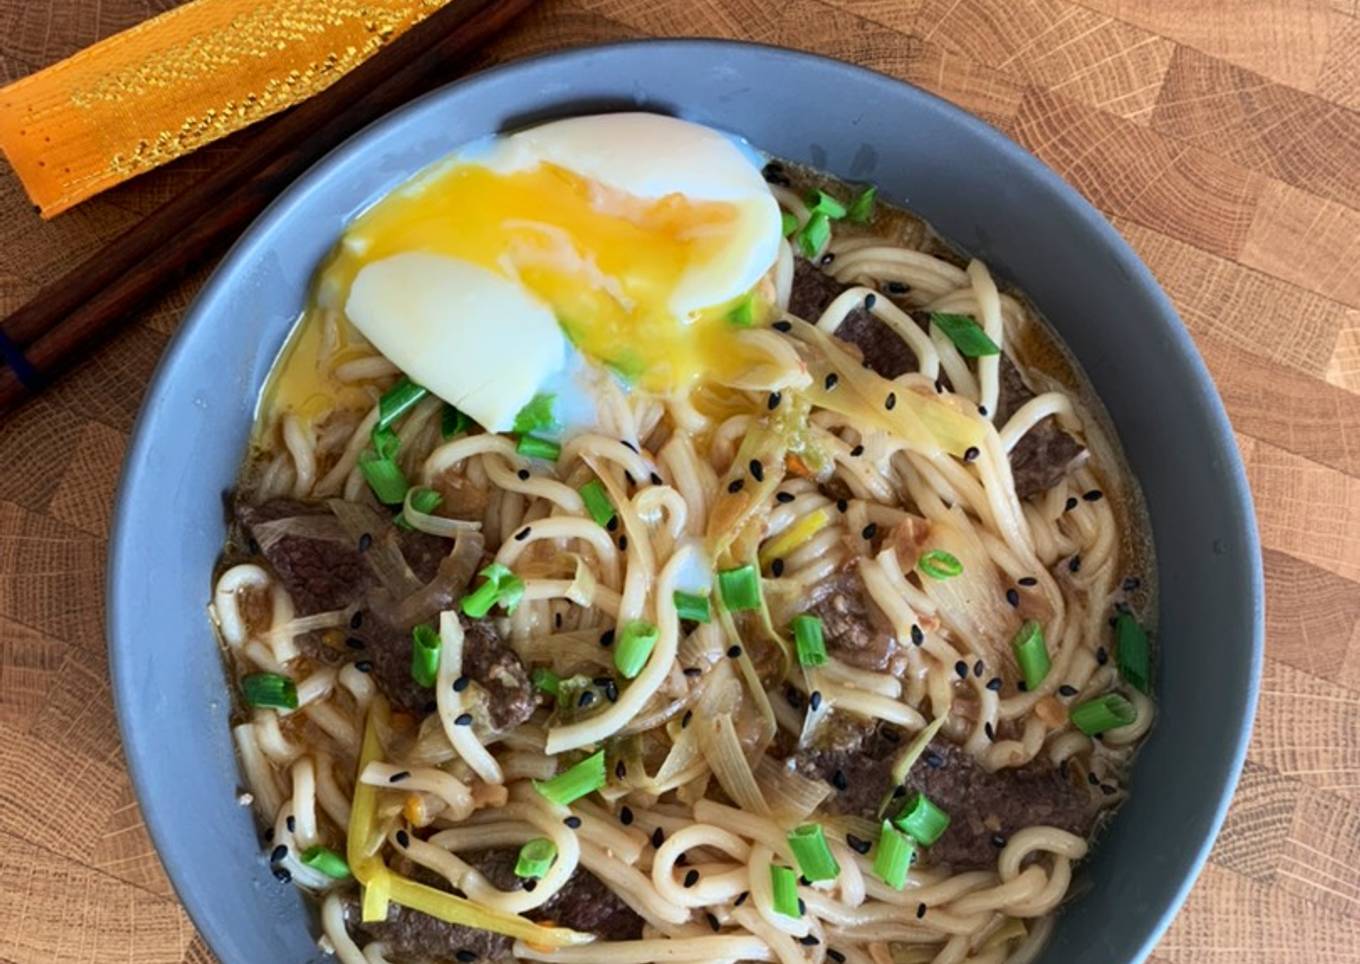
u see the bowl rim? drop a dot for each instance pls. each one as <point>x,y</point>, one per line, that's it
<point>140,752</point>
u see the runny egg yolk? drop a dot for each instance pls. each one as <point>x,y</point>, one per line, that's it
<point>607,264</point>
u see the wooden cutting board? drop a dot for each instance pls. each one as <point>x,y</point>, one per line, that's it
<point>1222,137</point>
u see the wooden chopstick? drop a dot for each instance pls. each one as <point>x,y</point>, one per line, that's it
<point>71,315</point>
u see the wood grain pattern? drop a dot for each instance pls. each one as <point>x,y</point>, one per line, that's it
<point>1223,139</point>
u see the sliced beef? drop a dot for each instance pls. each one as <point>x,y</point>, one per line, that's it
<point>499,671</point>
<point>585,903</point>
<point>1044,454</point>
<point>985,808</point>
<point>855,629</point>
<point>1041,458</point>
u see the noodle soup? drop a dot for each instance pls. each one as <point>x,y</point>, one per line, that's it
<point>649,551</point>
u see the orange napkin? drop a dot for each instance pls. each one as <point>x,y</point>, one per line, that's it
<point>181,80</point>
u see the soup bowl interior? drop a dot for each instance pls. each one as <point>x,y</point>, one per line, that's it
<point>976,187</point>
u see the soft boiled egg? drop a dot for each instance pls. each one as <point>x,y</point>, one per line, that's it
<point>623,238</point>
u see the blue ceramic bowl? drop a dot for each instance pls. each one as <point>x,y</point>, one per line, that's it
<point>979,189</point>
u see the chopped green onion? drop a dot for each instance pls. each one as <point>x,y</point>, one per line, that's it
<point>269,689</point>
<point>422,500</point>
<point>327,861</point>
<point>634,645</point>
<point>893,860</point>
<point>788,223</point>
<point>385,443</point>
<point>1102,713</point>
<point>535,857</point>
<point>692,607</point>
<point>809,641</point>
<point>385,478</point>
<point>573,784</point>
<point>546,681</point>
<point>743,313</point>
<point>1031,652</point>
<point>740,588</point>
<point>819,202</point>
<point>815,860</point>
<point>1131,651</point>
<point>535,416</point>
<point>501,586</point>
<point>784,888</point>
<point>533,447</point>
<point>814,235</point>
<point>398,400</point>
<point>922,820</point>
<point>938,564</point>
<point>971,340</point>
<point>597,502</point>
<point>453,422</point>
<point>862,207</point>
<point>424,655</point>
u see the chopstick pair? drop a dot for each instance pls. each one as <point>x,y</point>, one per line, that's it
<point>72,314</point>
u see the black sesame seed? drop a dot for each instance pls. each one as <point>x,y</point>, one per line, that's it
<point>870,300</point>
<point>994,684</point>
<point>655,479</point>
<point>757,470</point>
<point>465,719</point>
<point>1102,657</point>
<point>815,700</point>
<point>1027,581</point>
<point>365,542</point>
<point>691,878</point>
<point>1093,495</point>
<point>777,568</point>
<point>839,780</point>
<point>830,382</point>
<point>693,671</point>
<point>734,651</point>
<point>460,684</point>
<point>989,730</point>
<point>620,770</point>
<point>802,907</point>
<point>982,410</point>
<point>282,874</point>
<point>607,638</point>
<point>857,844</point>
<point>399,776</point>
<point>465,957</point>
<point>713,924</point>
<point>895,288</point>
<point>735,485</point>
<point>403,838</point>
<point>630,446</point>
<point>523,475</point>
<point>363,666</point>
<point>741,898</point>
<point>857,451</point>
<point>573,822</point>
<point>784,497</point>
<point>684,720</point>
<point>611,691</point>
<point>529,885</point>
<point>811,940</point>
<point>657,837</point>
<point>1108,790</point>
<point>891,401</point>
<point>869,531</point>
<point>291,823</point>
<point>1013,597</point>
<point>962,669</point>
<point>613,524</point>
<point>354,642</point>
<point>934,760</point>
<point>971,453</point>
<point>782,325</point>
<point>917,635</point>
<point>278,853</point>
<point>626,815</point>
<point>357,619</point>
<point>842,504</point>
<point>998,840</point>
<point>978,668</point>
<point>1067,690</point>
<point>773,401</point>
<point>522,534</point>
<point>1071,504</point>
<point>623,543</point>
<point>586,698</point>
<point>827,259</point>
<point>1074,564</point>
<point>920,911</point>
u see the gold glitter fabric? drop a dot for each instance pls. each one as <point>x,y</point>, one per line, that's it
<point>181,80</point>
